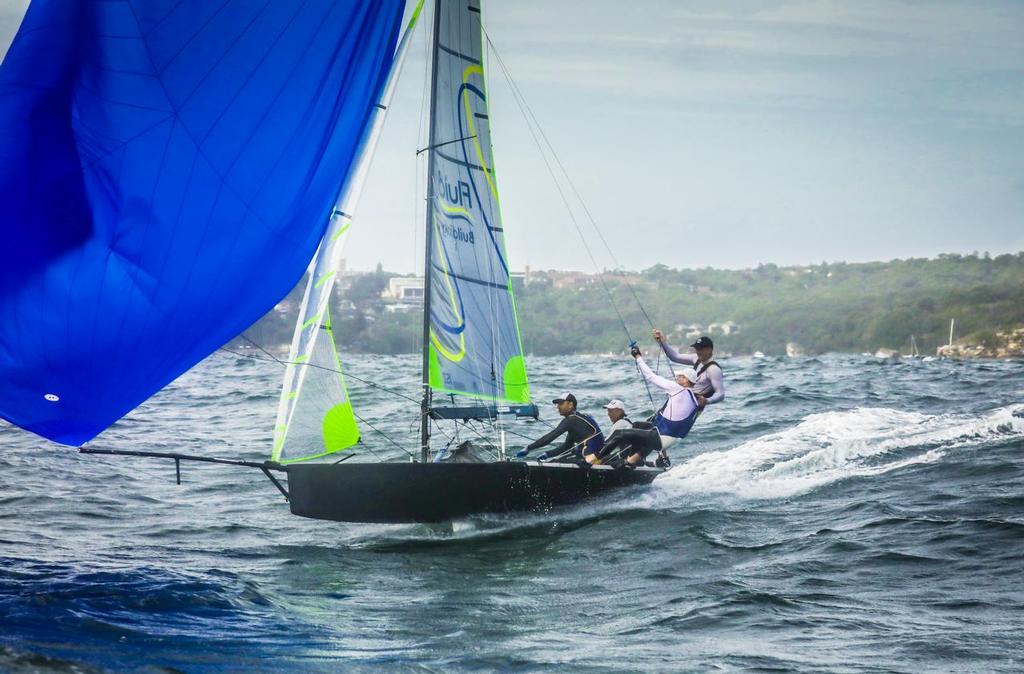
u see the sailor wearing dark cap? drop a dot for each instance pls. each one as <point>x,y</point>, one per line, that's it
<point>710,384</point>
<point>583,437</point>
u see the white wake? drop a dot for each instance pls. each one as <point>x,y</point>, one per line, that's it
<point>832,446</point>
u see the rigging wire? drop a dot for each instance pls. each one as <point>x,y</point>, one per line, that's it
<point>347,375</point>
<point>489,447</point>
<point>273,358</point>
<point>530,117</point>
<point>558,187</point>
<point>491,307</point>
<point>531,122</point>
<point>384,435</point>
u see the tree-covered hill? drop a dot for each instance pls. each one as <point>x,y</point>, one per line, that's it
<point>826,307</point>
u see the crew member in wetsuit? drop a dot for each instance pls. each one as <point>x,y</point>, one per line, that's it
<point>583,437</point>
<point>671,423</point>
<point>710,384</point>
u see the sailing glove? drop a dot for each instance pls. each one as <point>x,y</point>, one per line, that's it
<point>635,352</point>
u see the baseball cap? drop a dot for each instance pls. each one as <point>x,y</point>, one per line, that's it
<point>615,405</point>
<point>703,342</point>
<point>565,396</point>
<point>689,373</point>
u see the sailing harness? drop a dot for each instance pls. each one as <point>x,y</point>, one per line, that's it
<point>706,388</point>
<point>676,428</point>
<point>595,442</point>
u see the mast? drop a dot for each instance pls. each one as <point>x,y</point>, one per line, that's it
<point>428,243</point>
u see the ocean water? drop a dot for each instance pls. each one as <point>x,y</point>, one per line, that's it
<point>833,514</point>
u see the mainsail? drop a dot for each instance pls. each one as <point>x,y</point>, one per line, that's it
<point>315,416</point>
<point>473,342</point>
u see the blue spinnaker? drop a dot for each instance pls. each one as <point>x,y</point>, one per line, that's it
<point>167,170</point>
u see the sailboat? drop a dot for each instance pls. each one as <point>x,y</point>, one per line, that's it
<point>473,367</point>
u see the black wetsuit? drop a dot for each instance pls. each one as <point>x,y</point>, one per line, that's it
<point>582,434</point>
<point>642,439</point>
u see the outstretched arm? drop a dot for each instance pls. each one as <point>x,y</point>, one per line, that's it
<point>664,384</point>
<point>676,357</point>
<point>549,437</point>
<point>672,354</point>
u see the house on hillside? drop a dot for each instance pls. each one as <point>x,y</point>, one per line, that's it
<point>404,293</point>
<point>404,289</point>
<point>569,279</point>
<point>727,328</point>
<point>691,331</point>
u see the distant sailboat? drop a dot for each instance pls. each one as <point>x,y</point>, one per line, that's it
<point>947,350</point>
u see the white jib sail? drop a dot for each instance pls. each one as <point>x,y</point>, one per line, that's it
<point>314,415</point>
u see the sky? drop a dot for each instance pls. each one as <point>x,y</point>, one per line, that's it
<point>729,134</point>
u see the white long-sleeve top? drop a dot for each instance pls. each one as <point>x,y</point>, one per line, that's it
<point>681,401</point>
<point>708,380</point>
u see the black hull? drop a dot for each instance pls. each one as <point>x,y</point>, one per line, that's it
<point>438,492</point>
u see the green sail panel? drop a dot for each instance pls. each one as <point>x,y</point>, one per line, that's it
<point>475,346</point>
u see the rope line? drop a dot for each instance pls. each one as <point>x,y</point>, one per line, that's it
<point>533,123</point>
<point>285,363</point>
<point>349,375</point>
<point>530,116</point>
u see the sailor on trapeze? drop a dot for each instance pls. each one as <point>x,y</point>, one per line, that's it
<point>691,391</point>
<point>710,383</point>
<point>671,423</point>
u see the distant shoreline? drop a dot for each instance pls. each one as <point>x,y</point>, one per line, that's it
<point>899,306</point>
<point>282,350</point>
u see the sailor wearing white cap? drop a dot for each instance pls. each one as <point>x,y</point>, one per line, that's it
<point>617,415</point>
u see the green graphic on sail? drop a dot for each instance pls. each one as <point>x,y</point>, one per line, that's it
<point>475,346</point>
